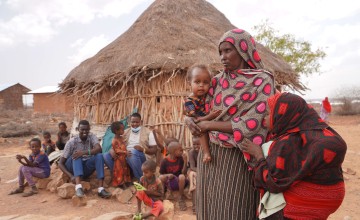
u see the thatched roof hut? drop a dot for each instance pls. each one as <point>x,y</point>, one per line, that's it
<point>145,67</point>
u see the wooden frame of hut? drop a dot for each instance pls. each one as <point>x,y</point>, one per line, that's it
<point>145,68</point>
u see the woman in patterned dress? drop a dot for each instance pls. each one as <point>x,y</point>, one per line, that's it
<point>303,163</point>
<point>240,91</point>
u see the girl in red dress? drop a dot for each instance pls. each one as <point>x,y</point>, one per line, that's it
<point>121,173</point>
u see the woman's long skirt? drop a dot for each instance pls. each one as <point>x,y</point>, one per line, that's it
<point>224,187</point>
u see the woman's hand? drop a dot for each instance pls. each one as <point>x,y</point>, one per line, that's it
<point>194,128</point>
<point>203,125</point>
<point>252,149</point>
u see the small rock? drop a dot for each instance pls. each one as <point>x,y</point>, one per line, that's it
<point>43,201</point>
<point>59,178</point>
<point>124,196</point>
<point>115,191</point>
<point>86,185</point>
<point>42,183</point>
<point>114,216</point>
<point>347,218</point>
<point>168,213</point>
<point>78,202</point>
<point>66,191</point>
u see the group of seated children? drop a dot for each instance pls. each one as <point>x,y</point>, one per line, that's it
<point>63,136</point>
<point>172,177</point>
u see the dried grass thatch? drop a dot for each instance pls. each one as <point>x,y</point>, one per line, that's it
<point>145,67</point>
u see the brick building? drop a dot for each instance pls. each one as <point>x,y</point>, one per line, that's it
<point>11,96</point>
<point>47,100</point>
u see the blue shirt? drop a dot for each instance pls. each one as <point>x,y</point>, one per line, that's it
<point>42,161</point>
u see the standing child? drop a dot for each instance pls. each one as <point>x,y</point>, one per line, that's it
<point>153,194</point>
<point>193,154</point>
<point>173,170</point>
<point>121,171</point>
<point>63,136</point>
<point>48,145</point>
<point>36,166</point>
<point>199,77</point>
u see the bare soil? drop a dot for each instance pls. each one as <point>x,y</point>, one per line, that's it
<point>48,205</point>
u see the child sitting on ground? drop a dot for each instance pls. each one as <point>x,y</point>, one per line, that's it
<point>48,145</point>
<point>173,170</point>
<point>199,78</point>
<point>121,171</point>
<point>63,136</point>
<point>36,166</point>
<point>193,154</point>
<point>153,194</point>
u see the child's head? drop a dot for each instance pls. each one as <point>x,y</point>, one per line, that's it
<point>200,78</point>
<point>46,135</point>
<point>135,120</point>
<point>62,127</point>
<point>169,140</point>
<point>35,145</point>
<point>196,143</point>
<point>148,168</point>
<point>117,128</point>
<point>175,149</point>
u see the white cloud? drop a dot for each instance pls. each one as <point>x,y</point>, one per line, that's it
<point>38,21</point>
<point>87,49</point>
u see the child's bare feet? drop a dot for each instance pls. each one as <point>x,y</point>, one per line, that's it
<point>206,157</point>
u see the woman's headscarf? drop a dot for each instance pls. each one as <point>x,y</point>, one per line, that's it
<point>326,104</point>
<point>245,45</point>
<point>304,147</point>
<point>289,112</point>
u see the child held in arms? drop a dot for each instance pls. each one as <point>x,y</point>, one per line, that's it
<point>199,78</point>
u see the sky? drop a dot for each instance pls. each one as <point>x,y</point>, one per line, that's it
<point>42,41</point>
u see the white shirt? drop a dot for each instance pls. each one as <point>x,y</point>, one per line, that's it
<point>134,139</point>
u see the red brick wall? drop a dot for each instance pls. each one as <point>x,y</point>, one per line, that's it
<point>52,103</point>
<point>11,98</point>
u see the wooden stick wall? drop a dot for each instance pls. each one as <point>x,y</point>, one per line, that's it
<point>159,101</point>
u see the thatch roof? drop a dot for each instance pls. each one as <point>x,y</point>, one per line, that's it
<point>168,36</point>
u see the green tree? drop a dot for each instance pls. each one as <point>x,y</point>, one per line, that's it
<point>297,53</point>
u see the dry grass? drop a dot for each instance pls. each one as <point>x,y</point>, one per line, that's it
<point>23,122</point>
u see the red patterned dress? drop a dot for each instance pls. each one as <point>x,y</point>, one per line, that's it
<point>121,173</point>
<point>304,160</point>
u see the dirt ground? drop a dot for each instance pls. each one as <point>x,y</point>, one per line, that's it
<point>47,205</point>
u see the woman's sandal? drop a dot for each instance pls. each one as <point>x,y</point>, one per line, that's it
<point>182,205</point>
<point>17,191</point>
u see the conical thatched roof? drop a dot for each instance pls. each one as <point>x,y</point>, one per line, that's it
<point>169,35</point>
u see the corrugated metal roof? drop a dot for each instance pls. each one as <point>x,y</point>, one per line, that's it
<point>45,89</point>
